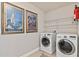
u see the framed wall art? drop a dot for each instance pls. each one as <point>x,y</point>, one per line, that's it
<point>31,22</point>
<point>12,18</point>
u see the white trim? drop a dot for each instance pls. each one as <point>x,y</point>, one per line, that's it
<point>29,53</point>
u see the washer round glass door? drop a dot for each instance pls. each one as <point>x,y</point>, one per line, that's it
<point>66,46</point>
<point>45,42</point>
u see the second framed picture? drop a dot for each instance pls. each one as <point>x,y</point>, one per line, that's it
<point>31,22</point>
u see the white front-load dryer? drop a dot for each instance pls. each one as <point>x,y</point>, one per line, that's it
<point>48,42</point>
<point>66,45</point>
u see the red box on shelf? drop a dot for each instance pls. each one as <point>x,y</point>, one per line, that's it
<point>76,13</point>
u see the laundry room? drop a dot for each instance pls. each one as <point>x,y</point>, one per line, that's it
<point>39,29</point>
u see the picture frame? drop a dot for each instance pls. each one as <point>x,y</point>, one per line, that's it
<point>12,18</point>
<point>31,22</point>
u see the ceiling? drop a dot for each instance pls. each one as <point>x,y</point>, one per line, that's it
<point>48,6</point>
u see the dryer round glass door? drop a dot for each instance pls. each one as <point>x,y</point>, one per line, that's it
<point>66,46</point>
<point>45,42</point>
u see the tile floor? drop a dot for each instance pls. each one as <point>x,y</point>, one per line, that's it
<point>42,54</point>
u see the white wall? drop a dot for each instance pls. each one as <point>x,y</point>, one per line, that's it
<point>19,44</point>
<point>61,20</point>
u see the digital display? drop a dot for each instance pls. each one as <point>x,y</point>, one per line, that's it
<point>65,36</point>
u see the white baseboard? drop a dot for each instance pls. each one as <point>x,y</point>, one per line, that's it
<point>27,54</point>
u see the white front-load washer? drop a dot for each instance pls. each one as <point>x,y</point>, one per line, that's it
<point>66,45</point>
<point>48,42</point>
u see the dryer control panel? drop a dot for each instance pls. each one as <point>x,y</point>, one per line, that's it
<point>72,36</point>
